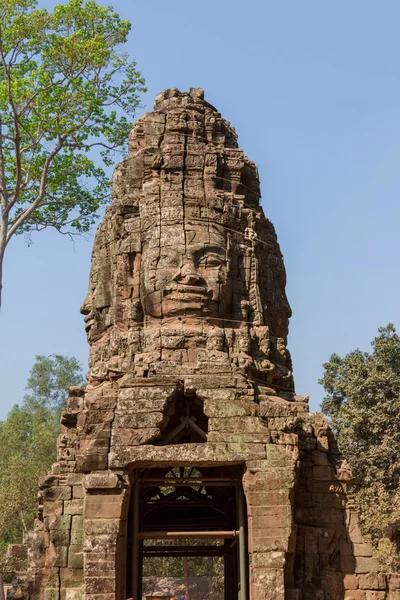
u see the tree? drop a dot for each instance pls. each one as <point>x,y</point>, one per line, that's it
<point>363,403</point>
<point>49,380</point>
<point>64,89</point>
<point>28,442</point>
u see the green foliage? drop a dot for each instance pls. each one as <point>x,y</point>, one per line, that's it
<point>65,87</point>
<point>49,380</point>
<point>363,403</point>
<point>28,442</point>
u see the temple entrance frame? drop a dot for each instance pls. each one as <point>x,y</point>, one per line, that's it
<point>216,495</point>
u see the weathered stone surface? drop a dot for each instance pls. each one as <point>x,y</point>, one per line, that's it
<point>187,321</point>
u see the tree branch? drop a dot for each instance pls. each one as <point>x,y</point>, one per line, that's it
<point>42,188</point>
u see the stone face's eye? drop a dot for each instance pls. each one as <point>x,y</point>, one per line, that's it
<point>169,260</point>
<point>211,259</point>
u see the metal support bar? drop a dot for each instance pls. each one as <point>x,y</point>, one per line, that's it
<point>191,481</point>
<point>165,535</point>
<point>135,540</point>
<point>242,543</point>
<point>165,484</point>
<point>184,550</point>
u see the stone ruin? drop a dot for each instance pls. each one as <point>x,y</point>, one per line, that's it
<point>190,389</point>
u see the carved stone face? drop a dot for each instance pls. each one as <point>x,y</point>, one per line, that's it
<point>97,302</point>
<point>190,277</point>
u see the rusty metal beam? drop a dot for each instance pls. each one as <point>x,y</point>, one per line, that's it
<point>189,481</point>
<point>242,554</point>
<point>165,535</point>
<point>184,550</point>
<point>135,539</point>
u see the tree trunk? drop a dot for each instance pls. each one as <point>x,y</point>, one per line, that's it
<point>186,570</point>
<point>1,280</point>
<point>3,242</point>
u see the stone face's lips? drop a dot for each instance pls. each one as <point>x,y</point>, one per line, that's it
<point>186,292</point>
<point>89,321</point>
<point>187,297</point>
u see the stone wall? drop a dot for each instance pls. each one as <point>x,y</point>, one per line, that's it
<point>304,540</point>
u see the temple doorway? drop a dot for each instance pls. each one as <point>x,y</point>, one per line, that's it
<point>187,534</point>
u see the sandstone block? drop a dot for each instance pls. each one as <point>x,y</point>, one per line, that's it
<point>364,549</point>
<point>268,560</point>
<point>75,559</point>
<point>274,406</point>
<point>77,530</point>
<point>100,585</point>
<point>215,408</point>
<point>57,493</point>
<point>106,480</point>
<point>95,527</point>
<point>139,405</point>
<point>62,523</point>
<point>350,581</point>
<point>100,547</point>
<point>60,537</point>
<point>52,594</point>
<point>202,384</point>
<point>124,420</point>
<point>122,456</point>
<point>303,398</point>
<point>366,565</point>
<point>93,460</point>
<point>240,438</point>
<point>280,437</point>
<point>73,594</point>
<point>394,581</point>
<point>277,479</point>
<point>153,392</point>
<point>240,451</point>
<point>70,578</point>
<point>101,506</point>
<point>372,581</point>
<point>99,399</point>
<point>61,557</point>
<point>134,437</point>
<point>269,584</point>
<point>73,507</point>
<point>98,568</point>
<point>238,424</point>
<point>78,492</point>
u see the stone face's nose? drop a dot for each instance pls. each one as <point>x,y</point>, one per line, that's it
<point>187,274</point>
<point>191,278</point>
<point>86,307</point>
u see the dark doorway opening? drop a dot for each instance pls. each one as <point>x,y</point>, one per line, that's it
<point>183,521</point>
<point>188,423</point>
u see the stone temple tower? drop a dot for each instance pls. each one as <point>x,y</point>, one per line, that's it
<point>189,427</point>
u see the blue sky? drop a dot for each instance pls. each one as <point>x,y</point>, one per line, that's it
<point>313,90</point>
